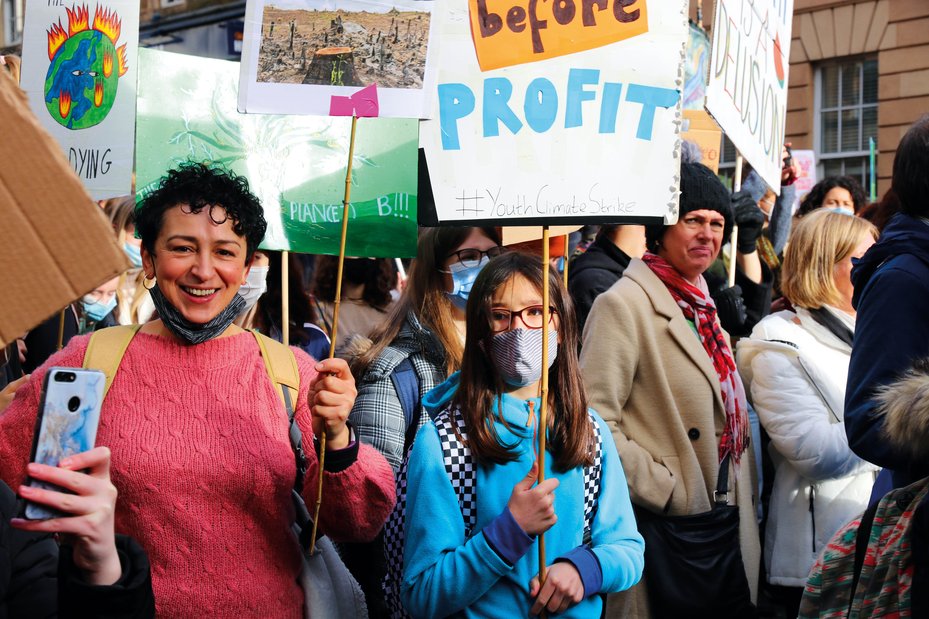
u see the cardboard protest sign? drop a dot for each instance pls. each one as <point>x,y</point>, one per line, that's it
<point>300,54</point>
<point>55,243</point>
<point>697,66</point>
<point>295,165</point>
<point>79,71</point>
<point>747,90</point>
<point>557,112</point>
<point>702,130</point>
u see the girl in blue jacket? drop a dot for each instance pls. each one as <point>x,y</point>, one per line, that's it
<point>474,554</point>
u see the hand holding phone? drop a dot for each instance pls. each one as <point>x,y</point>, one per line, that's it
<point>69,413</point>
<point>789,171</point>
<point>87,501</point>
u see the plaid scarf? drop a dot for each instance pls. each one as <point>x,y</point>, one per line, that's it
<point>698,307</point>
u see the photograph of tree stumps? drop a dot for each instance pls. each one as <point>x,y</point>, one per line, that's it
<point>343,48</point>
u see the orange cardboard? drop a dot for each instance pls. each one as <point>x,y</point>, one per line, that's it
<point>55,243</point>
<point>512,235</point>
<point>511,32</point>
<point>700,128</point>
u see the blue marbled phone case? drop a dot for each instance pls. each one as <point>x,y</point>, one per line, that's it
<point>61,431</point>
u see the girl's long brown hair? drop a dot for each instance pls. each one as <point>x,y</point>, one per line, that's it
<point>571,440</point>
<point>424,296</point>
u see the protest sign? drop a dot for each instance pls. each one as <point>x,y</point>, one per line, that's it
<point>805,160</point>
<point>44,263</point>
<point>698,61</point>
<point>702,130</point>
<point>79,72</point>
<point>299,54</point>
<point>747,89</point>
<point>295,165</point>
<point>577,125</point>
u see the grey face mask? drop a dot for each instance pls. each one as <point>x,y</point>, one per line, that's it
<point>517,355</point>
<point>191,332</point>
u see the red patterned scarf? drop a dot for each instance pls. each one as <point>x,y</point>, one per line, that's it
<point>698,307</point>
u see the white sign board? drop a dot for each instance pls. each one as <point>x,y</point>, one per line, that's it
<point>299,54</point>
<point>747,90</point>
<point>557,112</point>
<point>79,72</point>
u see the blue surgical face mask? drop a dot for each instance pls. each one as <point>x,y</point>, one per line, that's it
<point>134,253</point>
<point>462,280</point>
<point>95,310</point>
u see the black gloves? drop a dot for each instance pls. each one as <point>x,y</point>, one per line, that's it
<point>750,220</point>
<point>730,306</point>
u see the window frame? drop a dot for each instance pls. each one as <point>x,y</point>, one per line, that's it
<point>818,110</point>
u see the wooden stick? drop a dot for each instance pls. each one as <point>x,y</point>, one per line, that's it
<point>285,298</point>
<point>734,239</point>
<point>335,319</point>
<point>61,329</point>
<point>566,261</point>
<point>543,406</point>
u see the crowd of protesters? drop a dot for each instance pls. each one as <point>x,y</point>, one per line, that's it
<point>772,414</point>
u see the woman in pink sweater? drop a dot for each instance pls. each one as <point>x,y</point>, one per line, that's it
<point>199,436</point>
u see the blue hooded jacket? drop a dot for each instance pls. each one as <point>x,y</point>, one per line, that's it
<point>488,574</point>
<point>891,332</point>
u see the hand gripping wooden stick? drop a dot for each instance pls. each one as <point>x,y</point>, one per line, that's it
<point>335,321</point>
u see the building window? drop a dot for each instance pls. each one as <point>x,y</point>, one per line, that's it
<point>12,13</point>
<point>846,114</point>
<point>727,154</point>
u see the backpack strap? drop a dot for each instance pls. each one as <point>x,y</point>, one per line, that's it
<point>592,477</point>
<point>862,539</point>
<point>459,464</point>
<point>406,384</point>
<point>281,366</point>
<point>105,350</point>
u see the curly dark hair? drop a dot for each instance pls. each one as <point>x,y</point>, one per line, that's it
<point>379,277</point>
<point>198,186</point>
<point>814,199</point>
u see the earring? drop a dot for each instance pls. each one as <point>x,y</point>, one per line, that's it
<point>146,284</point>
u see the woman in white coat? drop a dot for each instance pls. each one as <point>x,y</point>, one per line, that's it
<point>795,366</point>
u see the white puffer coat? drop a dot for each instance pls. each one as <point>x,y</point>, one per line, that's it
<point>795,371</point>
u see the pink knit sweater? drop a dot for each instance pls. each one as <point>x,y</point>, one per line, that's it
<point>204,469</point>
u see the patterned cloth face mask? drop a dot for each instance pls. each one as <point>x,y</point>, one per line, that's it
<point>517,355</point>
<point>191,332</point>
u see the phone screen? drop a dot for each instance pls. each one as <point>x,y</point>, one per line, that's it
<point>66,425</point>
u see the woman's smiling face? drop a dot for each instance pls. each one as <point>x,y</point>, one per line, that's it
<point>199,264</point>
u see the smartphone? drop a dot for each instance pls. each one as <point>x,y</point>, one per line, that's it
<point>69,414</point>
<point>789,159</point>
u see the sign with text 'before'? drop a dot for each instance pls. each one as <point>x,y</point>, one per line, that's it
<point>508,32</point>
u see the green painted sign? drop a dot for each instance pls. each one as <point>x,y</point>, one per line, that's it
<point>295,164</point>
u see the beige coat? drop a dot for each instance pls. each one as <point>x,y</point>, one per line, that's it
<point>651,380</point>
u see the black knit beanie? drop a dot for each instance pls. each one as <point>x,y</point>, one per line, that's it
<point>701,189</point>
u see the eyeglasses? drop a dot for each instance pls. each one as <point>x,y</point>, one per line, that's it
<point>501,319</point>
<point>692,222</point>
<point>471,257</point>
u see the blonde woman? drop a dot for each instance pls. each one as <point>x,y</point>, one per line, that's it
<point>134,305</point>
<point>795,367</point>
